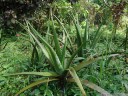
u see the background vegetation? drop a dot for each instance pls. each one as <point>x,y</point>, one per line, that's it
<point>67,47</point>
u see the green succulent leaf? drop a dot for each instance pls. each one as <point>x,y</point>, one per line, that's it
<point>85,38</point>
<point>38,42</point>
<point>95,87</point>
<point>63,54</point>
<point>35,84</point>
<point>77,80</point>
<point>96,37</point>
<point>91,60</point>
<point>56,41</point>
<point>78,34</point>
<point>48,74</point>
<point>92,86</point>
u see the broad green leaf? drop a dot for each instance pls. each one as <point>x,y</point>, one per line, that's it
<point>48,74</point>
<point>34,84</point>
<point>95,87</point>
<point>77,80</point>
<point>91,60</point>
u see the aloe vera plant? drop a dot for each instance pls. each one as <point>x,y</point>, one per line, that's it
<point>63,68</point>
<point>83,39</point>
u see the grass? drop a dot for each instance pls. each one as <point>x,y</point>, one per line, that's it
<point>14,58</point>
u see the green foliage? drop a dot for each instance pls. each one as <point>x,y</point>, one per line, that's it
<point>62,49</point>
<point>55,55</point>
<point>15,57</point>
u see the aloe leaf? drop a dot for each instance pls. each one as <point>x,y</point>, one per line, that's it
<point>38,42</point>
<point>48,33</point>
<point>95,87</point>
<point>91,60</point>
<point>77,80</point>
<point>96,37</point>
<point>85,39</point>
<point>34,84</point>
<point>64,53</point>
<point>56,62</point>
<point>79,39</point>
<point>55,37</point>
<point>78,31</point>
<point>48,74</point>
<point>92,86</point>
